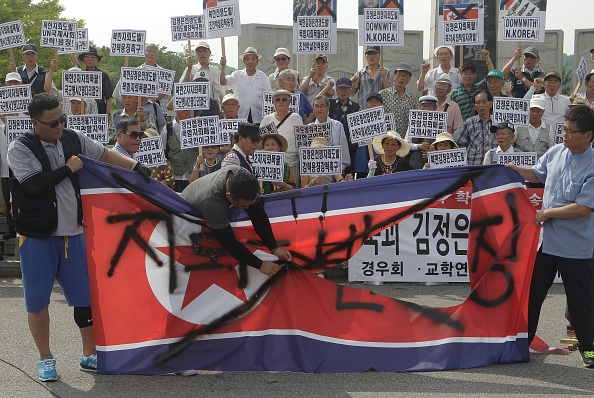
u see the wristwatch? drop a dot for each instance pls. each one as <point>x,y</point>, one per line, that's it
<point>523,79</point>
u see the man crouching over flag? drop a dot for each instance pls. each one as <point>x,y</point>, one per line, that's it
<point>47,214</point>
<point>235,186</point>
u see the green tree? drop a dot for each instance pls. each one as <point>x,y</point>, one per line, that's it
<point>31,14</point>
<point>567,75</point>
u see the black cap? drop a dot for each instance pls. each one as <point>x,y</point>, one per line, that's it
<point>28,48</point>
<point>504,125</point>
<point>249,130</point>
<point>372,49</point>
<point>375,95</point>
<point>92,51</point>
<point>469,65</point>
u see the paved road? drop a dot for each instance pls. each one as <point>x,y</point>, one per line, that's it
<point>543,376</point>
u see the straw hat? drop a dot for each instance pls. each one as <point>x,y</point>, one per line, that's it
<point>319,141</point>
<point>281,140</point>
<point>404,147</point>
<point>441,137</point>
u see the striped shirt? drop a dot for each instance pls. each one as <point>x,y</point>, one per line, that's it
<point>465,98</point>
<point>476,137</point>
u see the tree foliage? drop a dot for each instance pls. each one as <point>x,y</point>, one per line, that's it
<point>31,14</point>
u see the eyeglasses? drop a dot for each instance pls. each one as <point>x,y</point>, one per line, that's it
<point>404,75</point>
<point>54,123</point>
<point>281,99</point>
<point>281,59</point>
<point>529,56</point>
<point>90,57</point>
<point>570,131</point>
<point>135,134</point>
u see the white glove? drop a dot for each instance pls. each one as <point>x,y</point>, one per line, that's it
<point>372,165</point>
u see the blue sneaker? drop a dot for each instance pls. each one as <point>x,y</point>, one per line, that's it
<point>89,364</point>
<point>47,369</point>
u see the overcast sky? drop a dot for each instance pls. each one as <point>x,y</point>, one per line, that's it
<point>103,16</point>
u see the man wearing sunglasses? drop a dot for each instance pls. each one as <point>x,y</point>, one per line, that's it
<point>214,193</point>
<point>523,78</point>
<point>128,137</point>
<point>47,215</point>
<point>282,59</point>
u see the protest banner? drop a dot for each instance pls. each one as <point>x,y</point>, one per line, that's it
<point>366,124</point>
<point>269,128</point>
<point>222,18</point>
<point>128,43</point>
<point>199,131</point>
<point>426,124</point>
<point>15,126</point>
<point>320,160</point>
<point>268,166</point>
<point>514,110</point>
<point>14,99</point>
<point>314,27</point>
<point>12,35</point>
<point>81,84</point>
<point>447,158</point>
<point>228,128</point>
<point>165,77</point>
<point>305,134</point>
<point>522,20</point>
<point>82,42</point>
<point>188,27</point>
<point>382,25</point>
<point>59,34</point>
<point>521,159</point>
<point>193,95</point>
<point>461,24</point>
<point>268,103</point>
<point>558,132</point>
<point>150,152</point>
<point>93,126</point>
<point>390,121</point>
<point>143,82</point>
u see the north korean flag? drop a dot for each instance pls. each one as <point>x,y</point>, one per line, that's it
<point>166,298</point>
<point>456,12</point>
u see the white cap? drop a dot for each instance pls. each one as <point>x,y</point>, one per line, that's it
<point>230,96</point>
<point>201,75</point>
<point>537,102</point>
<point>13,76</point>
<point>282,51</point>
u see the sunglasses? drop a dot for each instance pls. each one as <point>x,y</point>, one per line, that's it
<point>281,59</point>
<point>135,134</point>
<point>281,99</point>
<point>53,124</point>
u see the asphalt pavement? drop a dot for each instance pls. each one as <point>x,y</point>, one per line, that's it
<point>543,376</point>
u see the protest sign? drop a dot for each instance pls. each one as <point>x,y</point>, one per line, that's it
<point>82,42</point>
<point>461,24</point>
<point>582,70</point>
<point>382,25</point>
<point>222,18</point>
<point>12,35</point>
<point>320,160</point>
<point>514,110</point>
<point>81,84</point>
<point>128,43</point>
<point>93,126</point>
<point>521,159</point>
<point>228,128</point>
<point>14,99</point>
<point>188,27</point>
<point>268,166</point>
<point>193,95</point>
<point>366,124</point>
<point>150,152</point>
<point>558,132</point>
<point>199,131</point>
<point>269,128</point>
<point>447,158</point>
<point>268,103</point>
<point>59,34</point>
<point>522,20</point>
<point>15,126</point>
<point>305,134</point>
<point>143,82</point>
<point>426,124</point>
<point>166,78</point>
<point>390,121</point>
<point>314,27</point>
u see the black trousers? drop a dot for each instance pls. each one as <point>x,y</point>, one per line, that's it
<point>6,196</point>
<point>576,275</point>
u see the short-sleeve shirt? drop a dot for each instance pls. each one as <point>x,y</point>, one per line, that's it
<point>568,178</point>
<point>207,194</point>
<point>24,165</point>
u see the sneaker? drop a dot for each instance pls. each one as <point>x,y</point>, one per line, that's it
<point>89,364</point>
<point>187,373</point>
<point>587,358</point>
<point>47,369</point>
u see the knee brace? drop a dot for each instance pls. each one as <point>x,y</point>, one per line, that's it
<point>83,317</point>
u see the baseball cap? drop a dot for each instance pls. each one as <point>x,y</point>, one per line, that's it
<point>375,95</point>
<point>532,51</point>
<point>372,49</point>
<point>495,73</point>
<point>504,125</point>
<point>230,96</point>
<point>201,75</point>
<point>405,66</point>
<point>537,102</point>
<point>282,51</point>
<point>344,82</point>
<point>444,78</point>
<point>469,65</point>
<point>203,44</point>
<point>427,98</point>
<point>553,73</point>
<point>13,76</point>
<point>318,56</point>
<point>29,48</point>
